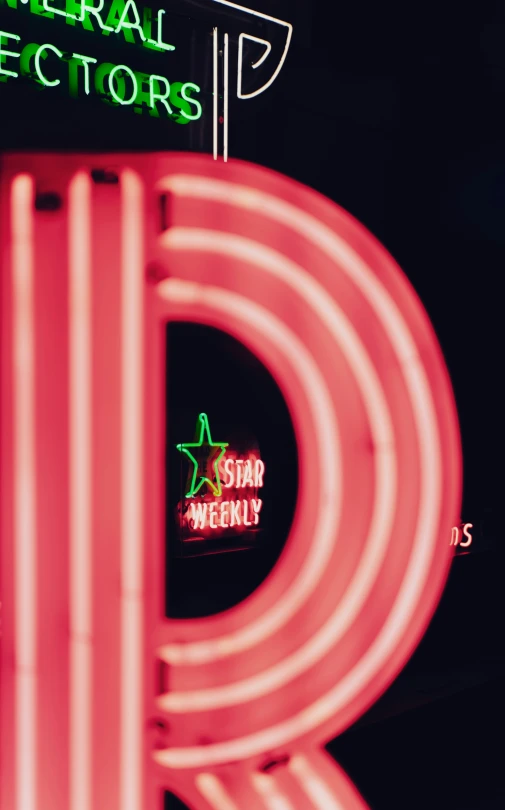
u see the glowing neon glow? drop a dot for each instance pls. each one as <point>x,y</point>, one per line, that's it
<point>265,54</point>
<point>184,95</point>
<point>239,511</point>
<point>184,106</point>
<point>38,54</point>
<point>226,70</point>
<point>80,463</point>
<point>317,790</point>
<point>458,532</point>
<point>132,482</point>
<point>241,38</point>
<point>268,261</point>
<point>120,13</point>
<point>112,89</point>
<point>204,439</point>
<point>205,301</point>
<point>86,61</point>
<point>124,22</point>
<point>273,797</point>
<point>468,541</point>
<point>372,396</point>
<point>3,54</point>
<point>215,97</point>
<point>90,8</point>
<point>153,97</point>
<point>254,470</point>
<point>24,481</point>
<point>214,792</point>
<point>164,46</point>
<point>203,515</point>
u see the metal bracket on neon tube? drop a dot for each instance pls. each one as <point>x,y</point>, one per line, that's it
<point>255,65</point>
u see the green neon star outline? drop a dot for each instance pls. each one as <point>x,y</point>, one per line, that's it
<point>184,448</point>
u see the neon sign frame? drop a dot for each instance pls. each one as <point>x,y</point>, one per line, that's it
<point>254,693</point>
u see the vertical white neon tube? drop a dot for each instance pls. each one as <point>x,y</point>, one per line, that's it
<point>81,621</point>
<point>225,93</point>
<point>25,538</point>
<point>132,480</point>
<point>215,93</point>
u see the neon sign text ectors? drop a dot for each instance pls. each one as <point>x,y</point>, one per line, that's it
<point>116,84</point>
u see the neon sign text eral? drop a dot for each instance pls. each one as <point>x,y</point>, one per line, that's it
<point>121,18</point>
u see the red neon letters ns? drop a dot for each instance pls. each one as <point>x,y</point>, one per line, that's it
<point>91,669</point>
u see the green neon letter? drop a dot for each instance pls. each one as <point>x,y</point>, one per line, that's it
<point>3,54</point>
<point>38,54</point>
<point>125,23</point>
<point>95,10</point>
<point>86,61</point>
<point>159,96</point>
<point>163,46</point>
<point>112,90</point>
<point>47,7</point>
<point>197,104</point>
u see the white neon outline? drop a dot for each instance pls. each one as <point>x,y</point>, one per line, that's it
<point>425,540</point>
<point>225,99</point>
<point>318,791</point>
<point>267,260</point>
<point>284,54</point>
<point>25,472</point>
<point>241,59</point>
<point>215,113</point>
<point>260,61</point>
<point>80,492</point>
<point>213,790</point>
<point>132,482</point>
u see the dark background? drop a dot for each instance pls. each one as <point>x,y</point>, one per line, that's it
<point>395,112</point>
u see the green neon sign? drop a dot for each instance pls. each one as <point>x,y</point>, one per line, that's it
<point>204,440</point>
<point>81,74</point>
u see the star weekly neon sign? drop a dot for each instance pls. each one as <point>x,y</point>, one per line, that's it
<point>90,715</point>
<point>238,507</point>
